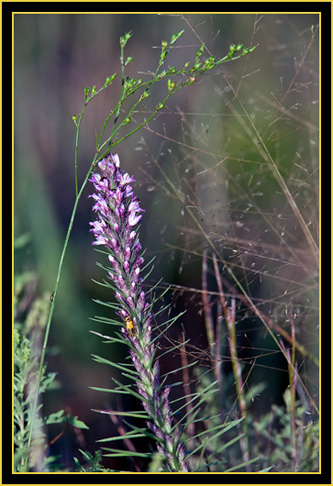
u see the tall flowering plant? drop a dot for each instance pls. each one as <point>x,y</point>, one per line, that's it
<point>118,214</point>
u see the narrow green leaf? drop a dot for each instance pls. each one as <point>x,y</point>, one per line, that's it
<point>120,453</point>
<point>140,415</point>
<point>175,37</point>
<point>127,389</point>
<point>172,372</point>
<point>128,435</point>
<point>125,367</point>
<point>228,444</point>
<point>106,390</point>
<point>77,423</point>
<point>243,464</point>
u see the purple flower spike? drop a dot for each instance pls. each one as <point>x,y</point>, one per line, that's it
<point>118,212</point>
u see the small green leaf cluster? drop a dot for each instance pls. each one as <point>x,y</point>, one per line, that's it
<point>93,463</point>
<point>233,49</point>
<point>30,438</point>
<point>90,93</point>
<point>25,372</point>
<point>165,45</point>
<point>131,85</point>
<point>212,447</point>
<point>276,430</point>
<point>124,39</point>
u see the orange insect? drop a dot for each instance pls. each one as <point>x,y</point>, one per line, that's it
<point>129,326</point>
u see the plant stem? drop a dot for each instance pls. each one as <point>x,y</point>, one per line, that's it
<point>230,320</point>
<point>54,296</point>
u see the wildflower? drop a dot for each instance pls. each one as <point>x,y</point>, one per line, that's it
<point>118,212</point>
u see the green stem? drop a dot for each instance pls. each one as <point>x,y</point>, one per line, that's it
<point>78,124</point>
<point>54,296</point>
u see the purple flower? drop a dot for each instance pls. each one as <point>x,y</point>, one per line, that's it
<point>118,212</point>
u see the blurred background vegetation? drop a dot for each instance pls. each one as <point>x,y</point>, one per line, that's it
<point>205,145</point>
